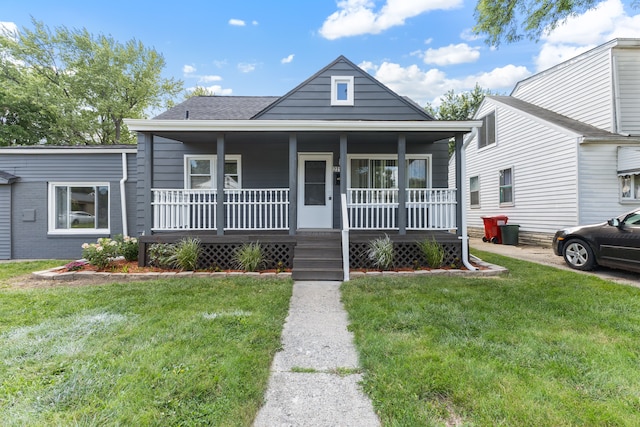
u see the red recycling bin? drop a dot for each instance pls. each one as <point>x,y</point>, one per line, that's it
<point>492,228</point>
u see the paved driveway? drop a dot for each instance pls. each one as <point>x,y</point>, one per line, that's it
<point>545,255</point>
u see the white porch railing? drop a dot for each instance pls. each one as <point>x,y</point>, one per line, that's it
<point>377,209</point>
<point>247,209</point>
<point>183,209</point>
<point>263,209</point>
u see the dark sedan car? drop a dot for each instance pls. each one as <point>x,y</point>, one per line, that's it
<point>615,243</point>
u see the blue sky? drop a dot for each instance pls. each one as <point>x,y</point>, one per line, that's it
<point>419,48</point>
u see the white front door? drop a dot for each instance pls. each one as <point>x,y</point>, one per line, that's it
<point>315,190</point>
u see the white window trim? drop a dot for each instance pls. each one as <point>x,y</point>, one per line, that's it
<point>427,157</point>
<point>214,164</point>
<point>482,129</point>
<point>471,205</point>
<point>513,188</point>
<point>334,90</point>
<point>51,210</point>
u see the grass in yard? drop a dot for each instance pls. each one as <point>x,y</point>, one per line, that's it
<point>19,268</point>
<point>174,352</point>
<point>537,347</point>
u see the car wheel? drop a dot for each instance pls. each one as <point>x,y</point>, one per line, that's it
<point>577,254</point>
<point>75,222</point>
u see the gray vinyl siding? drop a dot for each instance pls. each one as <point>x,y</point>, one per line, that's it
<point>5,221</point>
<point>31,238</point>
<point>627,63</point>
<point>580,89</point>
<point>372,101</point>
<point>545,191</point>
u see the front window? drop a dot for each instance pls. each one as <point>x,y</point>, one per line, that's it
<point>474,192</point>
<point>506,187</point>
<point>630,187</point>
<point>78,208</point>
<point>200,172</point>
<point>383,172</point>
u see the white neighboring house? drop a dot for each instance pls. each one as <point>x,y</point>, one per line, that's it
<point>563,149</point>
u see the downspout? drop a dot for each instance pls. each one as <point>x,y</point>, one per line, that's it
<point>123,196</point>
<point>463,223</point>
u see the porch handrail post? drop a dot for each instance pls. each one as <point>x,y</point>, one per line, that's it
<point>220,224</point>
<point>293,184</point>
<point>147,199</point>
<point>343,163</point>
<point>402,184</point>
<point>459,184</point>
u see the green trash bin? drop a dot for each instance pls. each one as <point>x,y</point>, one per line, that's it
<point>510,234</point>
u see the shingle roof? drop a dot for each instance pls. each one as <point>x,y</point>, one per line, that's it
<point>572,125</point>
<point>218,108</point>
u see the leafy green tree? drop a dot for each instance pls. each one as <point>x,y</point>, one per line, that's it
<point>199,91</point>
<point>512,20</point>
<point>84,85</point>
<point>458,106</point>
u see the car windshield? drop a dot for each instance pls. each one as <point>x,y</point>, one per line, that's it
<point>633,218</point>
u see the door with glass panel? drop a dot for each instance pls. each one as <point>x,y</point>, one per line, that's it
<point>315,190</point>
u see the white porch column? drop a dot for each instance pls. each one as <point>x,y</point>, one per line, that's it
<point>293,184</point>
<point>402,184</point>
<point>220,184</point>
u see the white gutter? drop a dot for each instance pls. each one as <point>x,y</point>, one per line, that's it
<point>461,187</point>
<point>144,125</point>
<point>123,196</point>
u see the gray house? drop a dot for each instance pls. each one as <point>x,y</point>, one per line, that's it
<point>53,199</point>
<point>313,176</point>
<point>339,152</point>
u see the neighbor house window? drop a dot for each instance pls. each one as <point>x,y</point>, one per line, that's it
<point>487,134</point>
<point>342,90</point>
<point>506,187</point>
<point>382,172</point>
<point>78,208</point>
<point>200,172</point>
<point>630,187</point>
<point>474,192</point>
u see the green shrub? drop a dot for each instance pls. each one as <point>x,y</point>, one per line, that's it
<point>432,251</point>
<point>381,252</point>
<point>100,254</point>
<point>249,256</point>
<point>160,255</point>
<point>128,247</point>
<point>185,254</point>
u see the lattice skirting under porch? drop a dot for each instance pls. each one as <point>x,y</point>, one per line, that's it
<point>406,255</point>
<point>221,256</point>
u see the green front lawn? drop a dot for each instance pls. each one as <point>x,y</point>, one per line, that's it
<point>175,352</point>
<point>19,268</point>
<point>537,347</point>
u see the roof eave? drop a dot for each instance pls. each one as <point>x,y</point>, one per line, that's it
<point>141,125</point>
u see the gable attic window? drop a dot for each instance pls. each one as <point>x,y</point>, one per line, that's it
<point>342,90</point>
<point>487,133</point>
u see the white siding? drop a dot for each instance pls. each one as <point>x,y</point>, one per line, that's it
<point>627,63</point>
<point>580,89</point>
<point>544,182</point>
<point>599,195</point>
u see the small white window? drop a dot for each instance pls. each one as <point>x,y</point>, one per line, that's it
<point>630,187</point>
<point>78,208</point>
<point>474,192</point>
<point>342,90</point>
<point>506,187</point>
<point>487,133</point>
<point>200,172</point>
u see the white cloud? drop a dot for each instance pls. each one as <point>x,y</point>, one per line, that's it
<point>288,59</point>
<point>210,78</point>
<point>453,54</point>
<point>428,86</point>
<point>356,17</point>
<point>245,67</point>
<point>583,32</point>
<point>237,22</point>
<point>254,22</point>
<point>188,69</point>
<point>9,29</point>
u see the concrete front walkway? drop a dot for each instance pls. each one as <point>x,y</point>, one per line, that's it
<point>314,379</point>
